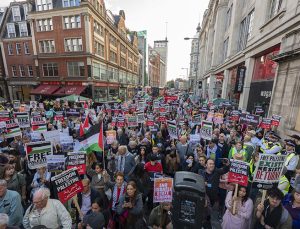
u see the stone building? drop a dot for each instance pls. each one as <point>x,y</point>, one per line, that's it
<point>246,54</point>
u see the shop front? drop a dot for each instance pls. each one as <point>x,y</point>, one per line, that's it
<point>236,83</point>
<point>105,91</point>
<point>21,90</point>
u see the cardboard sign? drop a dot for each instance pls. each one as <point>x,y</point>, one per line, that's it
<point>248,119</point>
<point>268,171</point>
<point>172,129</point>
<point>140,117</point>
<point>56,163</point>
<point>206,130</point>
<point>218,118</point>
<point>77,160</point>
<point>238,173</point>
<point>36,153</point>
<point>163,190</point>
<point>195,138</point>
<point>67,184</point>
<point>52,136</point>
<point>275,120</point>
<point>132,121</point>
<point>111,136</point>
<point>22,118</point>
<point>266,123</point>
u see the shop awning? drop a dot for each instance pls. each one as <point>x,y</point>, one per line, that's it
<point>44,90</point>
<point>70,90</point>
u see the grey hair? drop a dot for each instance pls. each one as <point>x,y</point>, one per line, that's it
<point>45,192</point>
<point>4,219</point>
<point>3,182</point>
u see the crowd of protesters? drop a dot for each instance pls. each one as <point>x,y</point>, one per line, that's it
<point>118,184</point>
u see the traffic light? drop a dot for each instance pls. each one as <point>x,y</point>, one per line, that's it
<point>200,85</point>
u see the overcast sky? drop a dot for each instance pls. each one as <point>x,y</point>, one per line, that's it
<point>182,18</point>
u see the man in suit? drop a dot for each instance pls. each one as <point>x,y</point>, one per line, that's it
<point>125,161</point>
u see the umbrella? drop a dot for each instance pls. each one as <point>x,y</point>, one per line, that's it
<point>74,98</point>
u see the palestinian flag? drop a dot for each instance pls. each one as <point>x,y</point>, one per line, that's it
<point>13,131</point>
<point>93,139</point>
<point>85,126</point>
<point>36,153</point>
<point>40,128</point>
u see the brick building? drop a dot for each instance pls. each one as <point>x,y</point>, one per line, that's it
<point>79,47</point>
<point>154,67</point>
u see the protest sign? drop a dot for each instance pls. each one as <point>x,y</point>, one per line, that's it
<point>206,130</point>
<point>195,138</point>
<point>35,136</point>
<point>218,118</point>
<point>172,129</point>
<point>59,116</point>
<point>12,129</point>
<point>36,153</point>
<point>162,117</point>
<point>16,104</point>
<point>170,98</point>
<point>140,117</point>
<point>67,184</point>
<point>121,121</point>
<point>141,104</point>
<point>265,123</point>
<point>55,163</point>
<point>197,119</point>
<point>275,120</point>
<point>150,120</point>
<point>210,116</point>
<point>238,173</point>
<point>268,171</point>
<point>52,136</point>
<point>259,110</point>
<point>111,136</point>
<point>249,119</point>
<point>33,104</point>
<point>41,105</point>
<point>73,112</point>
<point>132,121</point>
<point>38,123</point>
<point>66,143</point>
<point>235,115</point>
<point>163,190</point>
<point>4,116</point>
<point>77,160</point>
<point>22,118</point>
<point>2,124</point>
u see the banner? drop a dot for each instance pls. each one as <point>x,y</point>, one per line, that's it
<point>55,163</point>
<point>140,117</point>
<point>111,136</point>
<point>36,153</point>
<point>67,184</point>
<point>268,171</point>
<point>266,123</point>
<point>163,190</point>
<point>248,119</point>
<point>275,120</point>
<point>77,160</point>
<point>238,173</point>
<point>172,129</point>
<point>22,118</point>
<point>218,118</point>
<point>240,78</point>
<point>206,130</point>
<point>132,121</point>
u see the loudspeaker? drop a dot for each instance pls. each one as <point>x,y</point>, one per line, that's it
<point>188,200</point>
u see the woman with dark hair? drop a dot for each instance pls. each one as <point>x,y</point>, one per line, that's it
<point>130,209</point>
<point>240,218</point>
<point>190,164</point>
<point>142,156</point>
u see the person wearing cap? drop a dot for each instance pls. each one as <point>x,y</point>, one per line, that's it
<point>296,138</point>
<point>292,159</point>
<point>291,203</point>
<point>273,146</point>
<point>160,216</point>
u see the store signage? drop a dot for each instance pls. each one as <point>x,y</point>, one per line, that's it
<point>240,78</point>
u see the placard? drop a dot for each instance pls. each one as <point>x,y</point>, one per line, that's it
<point>35,136</point>
<point>67,184</point>
<point>12,129</point>
<point>56,163</point>
<point>132,121</point>
<point>66,143</point>
<point>218,118</point>
<point>238,173</point>
<point>53,136</point>
<point>111,136</point>
<point>22,118</point>
<point>248,119</point>
<point>163,190</point>
<point>195,138</point>
<point>275,120</point>
<point>206,130</point>
<point>235,115</point>
<point>4,116</point>
<point>268,170</point>
<point>77,160</point>
<point>172,129</point>
<point>36,153</point>
<point>38,123</point>
<point>266,123</point>
<point>140,117</point>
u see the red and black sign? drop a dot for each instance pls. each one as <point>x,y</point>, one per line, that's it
<point>171,98</point>
<point>235,115</point>
<point>77,160</point>
<point>266,123</point>
<point>238,173</point>
<point>67,184</point>
<point>275,120</point>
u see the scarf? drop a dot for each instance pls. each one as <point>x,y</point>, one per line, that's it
<point>115,195</point>
<point>211,153</point>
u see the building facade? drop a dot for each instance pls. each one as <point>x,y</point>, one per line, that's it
<point>154,63</point>
<point>240,41</point>
<point>3,82</point>
<point>142,46</point>
<point>80,47</point>
<point>161,46</point>
<point>194,60</point>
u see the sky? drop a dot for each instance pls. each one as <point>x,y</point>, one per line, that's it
<point>181,19</point>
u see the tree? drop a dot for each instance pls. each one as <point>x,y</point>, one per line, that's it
<point>171,84</point>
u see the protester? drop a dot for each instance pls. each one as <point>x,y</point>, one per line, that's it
<point>160,216</point>
<point>10,204</point>
<point>41,179</point>
<point>50,213</point>
<point>4,219</point>
<point>125,161</point>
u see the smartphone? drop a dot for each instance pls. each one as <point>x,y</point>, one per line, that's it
<point>127,199</point>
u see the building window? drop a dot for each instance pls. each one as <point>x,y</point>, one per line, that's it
<point>130,66</point>
<point>18,48</point>
<point>123,62</point>
<point>44,25</point>
<point>44,5</point>
<point>14,71</point>
<point>47,46</point>
<point>30,71</point>
<point>73,45</point>
<point>22,70</point>
<point>98,29</point>
<point>70,3</point>
<point>50,69</point>
<point>16,13</point>
<point>72,22</point>
<point>99,49</point>
<point>10,49</point>
<point>25,7</point>
<point>23,29</point>
<point>225,50</point>
<point>112,74</point>
<point>76,69</point>
<point>275,7</point>
<point>245,29</point>
<point>130,55</point>
<point>26,48</point>
<point>251,19</point>
<point>135,68</point>
<point>113,40</point>
<point>228,18</point>
<point>113,56</point>
<point>11,30</point>
<point>123,48</point>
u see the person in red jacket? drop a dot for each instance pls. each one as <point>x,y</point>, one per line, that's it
<point>153,166</point>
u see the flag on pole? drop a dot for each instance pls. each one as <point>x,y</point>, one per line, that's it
<point>93,139</point>
<point>85,126</point>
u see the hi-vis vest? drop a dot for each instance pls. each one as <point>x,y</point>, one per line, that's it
<point>233,151</point>
<point>288,158</point>
<point>283,180</point>
<point>251,170</point>
<point>266,144</point>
